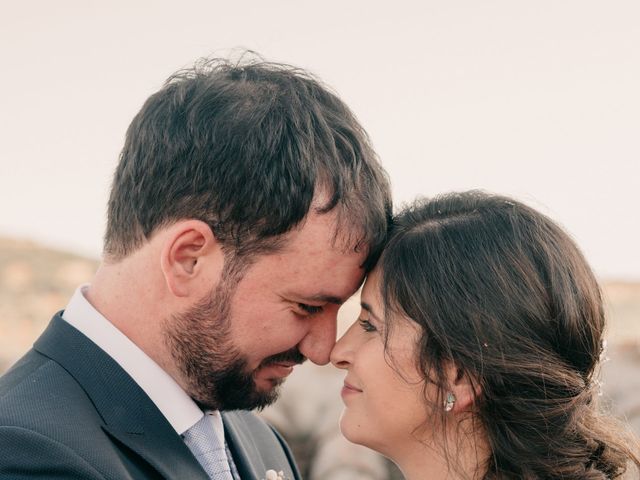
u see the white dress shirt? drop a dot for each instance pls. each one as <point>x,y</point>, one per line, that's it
<point>174,403</point>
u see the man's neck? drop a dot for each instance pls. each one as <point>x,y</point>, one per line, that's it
<point>129,295</point>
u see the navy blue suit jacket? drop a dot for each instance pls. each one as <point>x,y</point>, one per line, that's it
<point>68,410</point>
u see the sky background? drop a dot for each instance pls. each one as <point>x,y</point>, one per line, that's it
<point>536,99</point>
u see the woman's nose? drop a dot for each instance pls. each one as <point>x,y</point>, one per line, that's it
<point>342,353</point>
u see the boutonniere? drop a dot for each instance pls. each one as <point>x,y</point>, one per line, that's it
<point>273,475</point>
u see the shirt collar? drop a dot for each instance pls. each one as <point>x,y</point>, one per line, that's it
<point>174,403</point>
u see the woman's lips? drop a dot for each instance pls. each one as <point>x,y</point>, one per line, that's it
<point>349,389</point>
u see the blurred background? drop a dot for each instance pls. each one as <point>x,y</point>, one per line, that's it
<point>538,100</point>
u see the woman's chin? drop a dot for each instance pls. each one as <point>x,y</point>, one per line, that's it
<point>351,429</point>
<point>361,433</point>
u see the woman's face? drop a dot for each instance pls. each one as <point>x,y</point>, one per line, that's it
<point>384,395</point>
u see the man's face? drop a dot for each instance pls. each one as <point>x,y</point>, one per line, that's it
<point>235,346</point>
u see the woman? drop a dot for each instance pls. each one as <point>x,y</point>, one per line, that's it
<point>476,352</point>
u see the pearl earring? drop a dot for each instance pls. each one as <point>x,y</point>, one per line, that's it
<point>449,402</point>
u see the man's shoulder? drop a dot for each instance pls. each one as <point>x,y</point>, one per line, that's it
<point>45,420</point>
<point>25,453</point>
<point>38,393</point>
<point>20,373</point>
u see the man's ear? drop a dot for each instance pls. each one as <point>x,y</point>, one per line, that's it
<point>464,388</point>
<point>188,250</point>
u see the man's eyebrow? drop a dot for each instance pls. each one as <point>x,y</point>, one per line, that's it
<point>368,308</point>
<point>321,298</point>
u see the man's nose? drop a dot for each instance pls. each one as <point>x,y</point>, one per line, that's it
<point>320,338</point>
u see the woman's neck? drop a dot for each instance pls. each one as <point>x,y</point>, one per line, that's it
<point>465,459</point>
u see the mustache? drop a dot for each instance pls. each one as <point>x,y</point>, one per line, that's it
<point>293,355</point>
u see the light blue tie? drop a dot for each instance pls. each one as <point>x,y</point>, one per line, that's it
<point>206,447</point>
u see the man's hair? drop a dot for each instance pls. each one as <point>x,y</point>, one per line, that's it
<point>245,147</point>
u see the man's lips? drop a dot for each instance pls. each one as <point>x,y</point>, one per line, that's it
<point>276,370</point>
<point>284,364</point>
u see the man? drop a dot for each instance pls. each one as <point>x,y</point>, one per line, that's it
<point>246,207</point>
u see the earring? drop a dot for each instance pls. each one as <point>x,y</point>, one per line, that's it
<point>449,402</point>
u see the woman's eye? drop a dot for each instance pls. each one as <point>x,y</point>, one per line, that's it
<point>310,309</point>
<point>366,325</point>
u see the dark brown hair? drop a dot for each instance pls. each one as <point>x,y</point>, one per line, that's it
<point>244,147</point>
<point>505,294</point>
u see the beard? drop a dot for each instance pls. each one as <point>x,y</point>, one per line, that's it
<point>215,371</point>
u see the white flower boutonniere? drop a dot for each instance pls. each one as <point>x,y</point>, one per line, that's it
<point>273,475</point>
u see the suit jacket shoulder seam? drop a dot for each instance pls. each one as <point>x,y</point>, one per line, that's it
<point>29,375</point>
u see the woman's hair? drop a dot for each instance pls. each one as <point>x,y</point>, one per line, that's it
<point>505,294</point>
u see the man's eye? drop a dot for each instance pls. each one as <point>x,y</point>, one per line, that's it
<point>310,309</point>
<point>366,325</point>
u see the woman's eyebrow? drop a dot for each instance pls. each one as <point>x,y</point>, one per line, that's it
<point>368,308</point>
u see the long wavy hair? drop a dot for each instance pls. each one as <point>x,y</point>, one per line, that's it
<point>504,293</point>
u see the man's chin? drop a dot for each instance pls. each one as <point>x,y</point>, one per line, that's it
<point>268,386</point>
<point>263,397</point>
<point>256,399</point>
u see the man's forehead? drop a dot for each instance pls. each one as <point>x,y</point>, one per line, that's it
<point>325,232</point>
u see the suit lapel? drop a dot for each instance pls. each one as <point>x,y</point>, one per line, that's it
<point>256,447</point>
<point>128,413</point>
<point>246,454</point>
<point>168,457</point>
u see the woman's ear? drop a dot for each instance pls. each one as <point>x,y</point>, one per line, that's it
<point>463,388</point>
<point>189,249</point>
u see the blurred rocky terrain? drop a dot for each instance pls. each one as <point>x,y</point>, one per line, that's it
<point>36,282</point>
